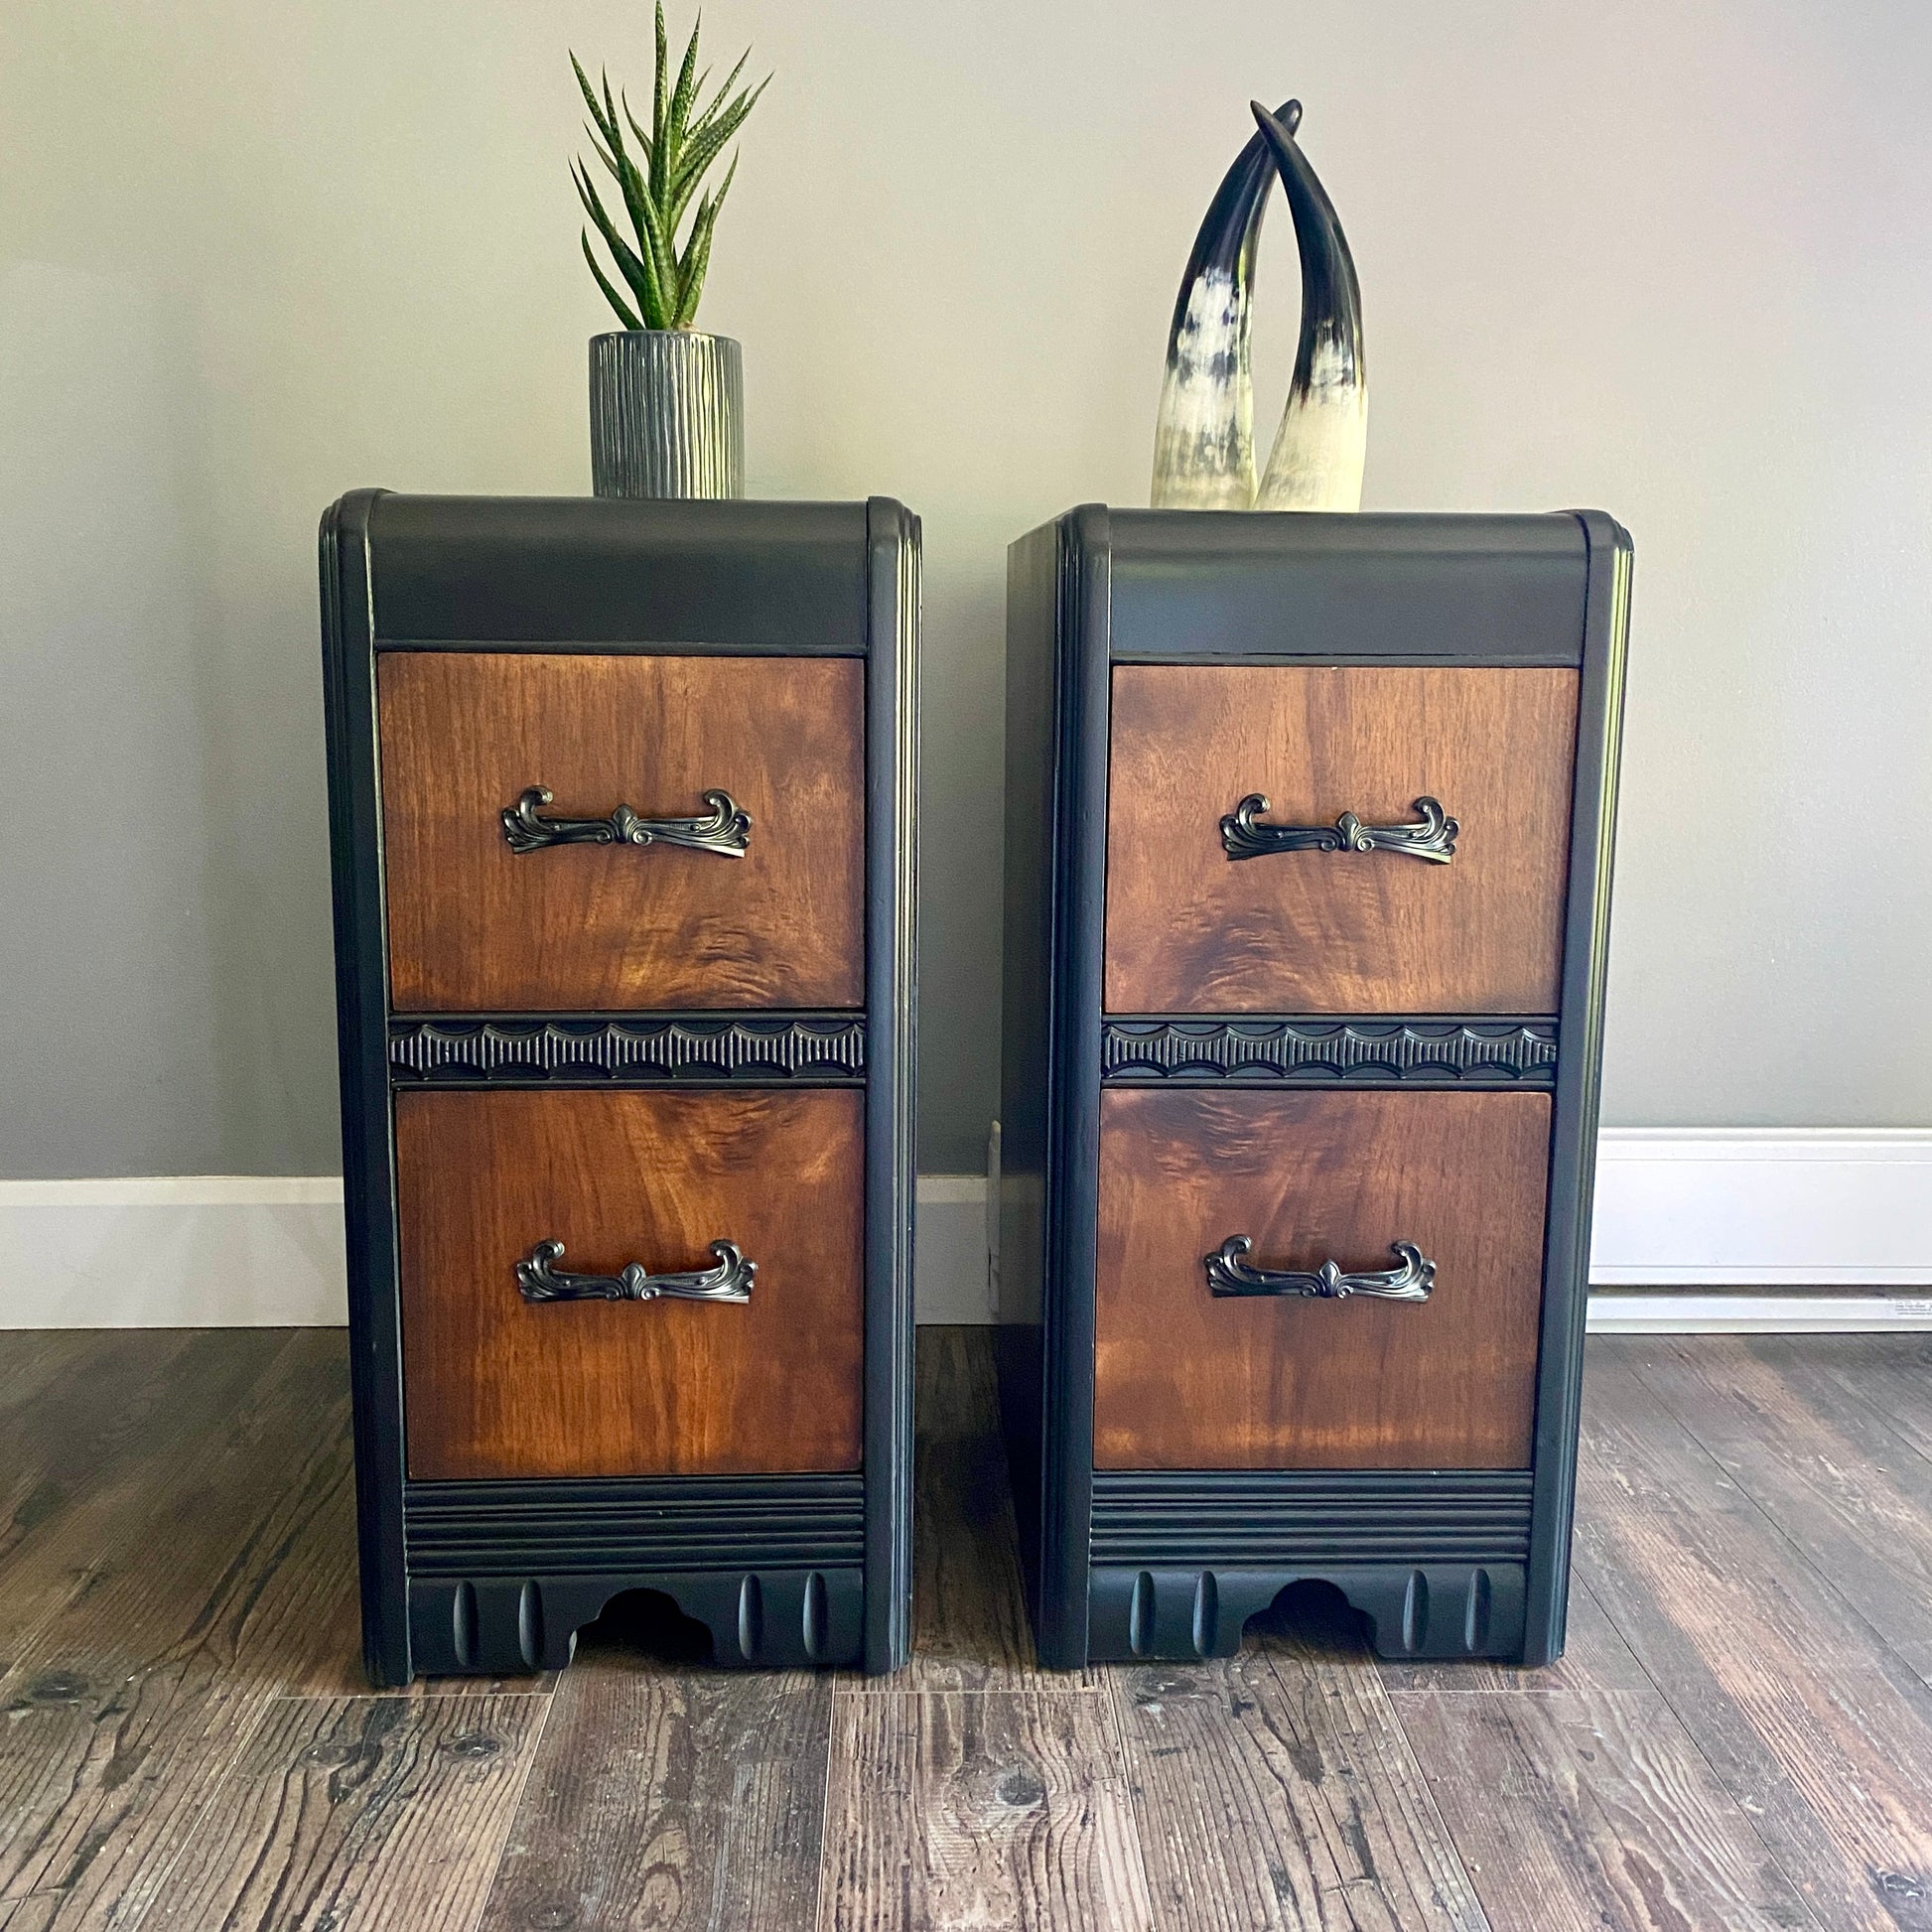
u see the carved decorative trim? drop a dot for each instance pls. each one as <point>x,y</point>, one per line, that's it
<point>638,1049</point>
<point>1270,1052</point>
<point>1230,1272</point>
<point>1243,837</point>
<point>774,1620</point>
<point>724,830</point>
<point>540,1279</point>
<point>1413,1609</point>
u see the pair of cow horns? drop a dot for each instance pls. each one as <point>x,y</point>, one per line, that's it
<point>1203,451</point>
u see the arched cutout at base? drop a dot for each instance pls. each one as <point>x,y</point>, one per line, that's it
<point>1420,1611</point>
<point>647,1623</point>
<point>504,1627</point>
<point>1313,1616</point>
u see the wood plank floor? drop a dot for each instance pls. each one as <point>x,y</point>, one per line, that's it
<point>1741,1735</point>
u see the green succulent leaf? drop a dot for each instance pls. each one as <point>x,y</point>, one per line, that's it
<point>697,253</point>
<point>640,272</point>
<point>659,173</point>
<point>625,313</point>
<point>613,127</point>
<point>646,146</point>
<point>589,93</point>
<point>652,233</point>
<point>663,67</point>
<point>705,148</point>
<point>680,110</point>
<point>730,81</point>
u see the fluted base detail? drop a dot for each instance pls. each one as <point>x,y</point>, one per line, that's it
<point>667,414</point>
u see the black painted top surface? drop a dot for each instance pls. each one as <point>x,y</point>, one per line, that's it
<point>550,572</point>
<point>1419,588</point>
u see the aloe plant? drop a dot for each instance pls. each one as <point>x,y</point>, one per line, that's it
<point>665,278</point>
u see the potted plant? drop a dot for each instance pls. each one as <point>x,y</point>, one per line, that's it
<point>667,409</point>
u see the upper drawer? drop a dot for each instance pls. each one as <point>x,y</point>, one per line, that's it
<point>475,923</point>
<point>1191,927</point>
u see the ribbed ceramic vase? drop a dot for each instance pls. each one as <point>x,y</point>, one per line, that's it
<point>667,414</point>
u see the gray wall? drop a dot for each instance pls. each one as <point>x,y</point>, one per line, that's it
<point>1675,260</point>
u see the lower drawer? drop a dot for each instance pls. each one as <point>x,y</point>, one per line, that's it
<point>1185,1378</point>
<point>499,1385</point>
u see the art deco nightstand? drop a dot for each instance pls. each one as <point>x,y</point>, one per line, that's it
<point>621,810</point>
<point>1308,860</point>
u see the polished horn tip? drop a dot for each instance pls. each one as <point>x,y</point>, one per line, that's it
<point>1285,123</point>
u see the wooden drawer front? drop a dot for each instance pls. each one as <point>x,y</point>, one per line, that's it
<point>476,925</point>
<point>1338,932</point>
<point>495,1385</point>
<point>1185,1379</point>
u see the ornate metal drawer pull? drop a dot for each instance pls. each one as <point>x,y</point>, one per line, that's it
<point>1434,839</point>
<point>1230,1272</point>
<point>723,830</point>
<point>730,1281</point>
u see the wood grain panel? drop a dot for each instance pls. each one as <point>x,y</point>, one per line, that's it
<point>185,1610</point>
<point>1851,1495</point>
<point>357,1811</point>
<point>474,925</point>
<point>1275,1790</point>
<point>1808,1717</point>
<point>1891,1380</point>
<point>957,1812</point>
<point>495,1386</point>
<point>1185,1380</point>
<point>1766,1765</point>
<point>79,1419</point>
<point>1190,930</point>
<point>1583,1809</point>
<point>672,1798</point>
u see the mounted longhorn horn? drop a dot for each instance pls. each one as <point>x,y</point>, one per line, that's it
<point>1203,437</point>
<point>1316,461</point>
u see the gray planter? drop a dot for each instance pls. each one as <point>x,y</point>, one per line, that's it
<point>667,414</point>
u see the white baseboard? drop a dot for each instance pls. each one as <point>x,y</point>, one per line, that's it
<point>1677,1208</point>
<point>950,1279</point>
<point>221,1251</point>
<point>1744,1313</point>
<point>1774,1207</point>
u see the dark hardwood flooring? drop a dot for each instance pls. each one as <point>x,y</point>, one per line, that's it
<point>1741,1735</point>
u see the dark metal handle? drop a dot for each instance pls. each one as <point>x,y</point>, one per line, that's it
<point>1434,839</point>
<point>730,1281</point>
<point>723,830</point>
<point>1230,1272</point>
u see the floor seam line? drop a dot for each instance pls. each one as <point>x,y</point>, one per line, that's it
<point>511,1813</point>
